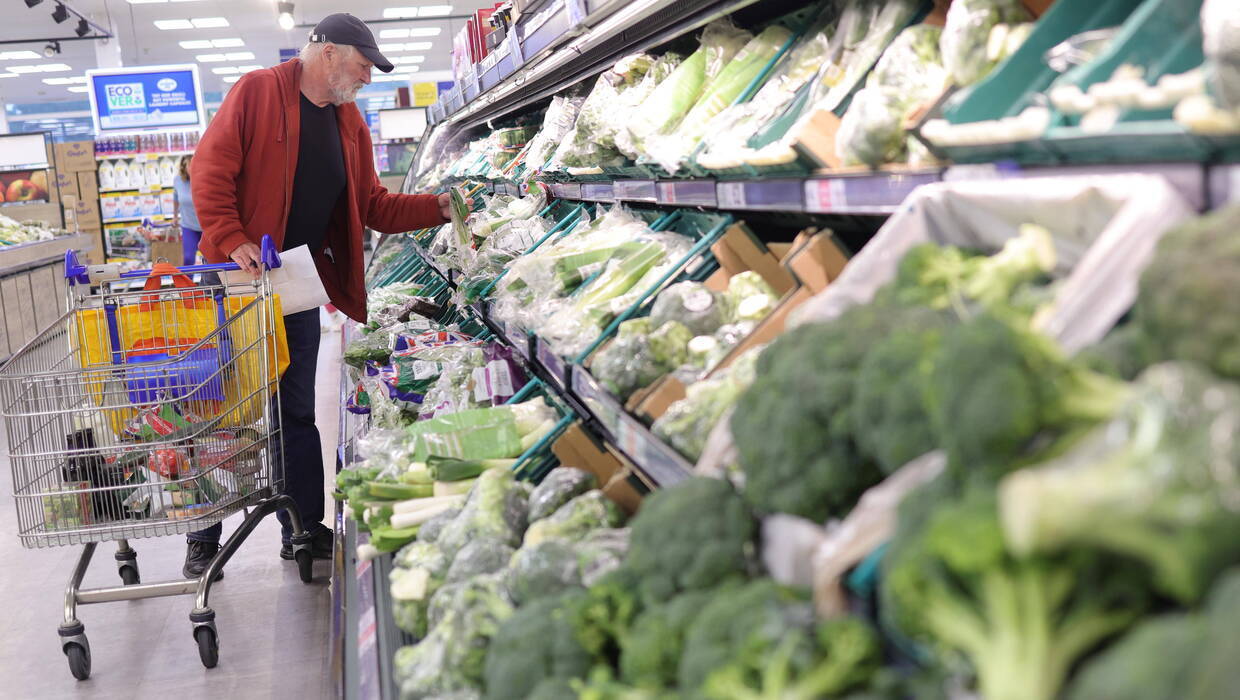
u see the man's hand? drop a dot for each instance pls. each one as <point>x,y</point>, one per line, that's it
<point>248,256</point>
<point>445,205</point>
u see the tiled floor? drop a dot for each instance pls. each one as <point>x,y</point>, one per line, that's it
<point>274,630</point>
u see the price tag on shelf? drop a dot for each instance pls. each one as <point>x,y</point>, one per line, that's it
<point>824,196</point>
<point>666,193</point>
<point>599,402</point>
<point>552,362</point>
<point>650,454</point>
<point>597,192</point>
<point>635,190</point>
<point>731,195</point>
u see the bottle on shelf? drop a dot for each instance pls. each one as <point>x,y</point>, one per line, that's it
<point>120,175</point>
<point>107,175</point>
<point>137,174</point>
<point>168,166</point>
<point>151,173</point>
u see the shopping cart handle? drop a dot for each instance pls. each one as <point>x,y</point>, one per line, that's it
<point>77,273</point>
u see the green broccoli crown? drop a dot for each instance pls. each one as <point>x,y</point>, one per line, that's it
<point>537,644</point>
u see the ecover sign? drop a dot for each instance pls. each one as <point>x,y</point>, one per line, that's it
<point>145,98</point>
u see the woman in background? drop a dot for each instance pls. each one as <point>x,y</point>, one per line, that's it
<point>191,230</point>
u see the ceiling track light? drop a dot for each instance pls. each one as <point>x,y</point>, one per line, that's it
<point>60,14</point>
<point>285,17</point>
<point>52,48</point>
<point>83,28</point>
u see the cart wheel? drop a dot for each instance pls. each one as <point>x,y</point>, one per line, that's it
<point>79,660</point>
<point>208,646</point>
<point>305,564</point>
<point>129,575</point>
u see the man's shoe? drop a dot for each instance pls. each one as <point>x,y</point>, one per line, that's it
<point>197,556</point>
<point>321,540</point>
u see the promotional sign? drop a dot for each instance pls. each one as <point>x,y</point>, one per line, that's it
<point>425,94</point>
<point>286,54</point>
<point>158,97</point>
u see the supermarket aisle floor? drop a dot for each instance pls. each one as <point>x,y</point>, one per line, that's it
<point>274,630</point>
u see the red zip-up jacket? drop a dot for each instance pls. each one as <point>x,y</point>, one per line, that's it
<point>242,182</point>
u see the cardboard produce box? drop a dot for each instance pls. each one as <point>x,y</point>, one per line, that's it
<point>67,184</point>
<point>75,156</point>
<point>577,448</point>
<point>87,213</point>
<point>169,250</point>
<point>88,185</point>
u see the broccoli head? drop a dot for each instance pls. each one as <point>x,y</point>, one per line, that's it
<point>793,427</point>
<point>743,626</point>
<point>577,518</point>
<point>713,539</point>
<point>995,384</point>
<point>535,645</point>
<point>544,569</point>
<point>892,426</point>
<point>602,617</point>
<point>1180,304</point>
<point>560,486</point>
<point>1153,484</point>
<point>949,582</point>
<point>650,652</point>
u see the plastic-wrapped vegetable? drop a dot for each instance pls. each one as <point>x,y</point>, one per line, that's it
<point>543,569</point>
<point>372,347</point>
<point>573,520</point>
<point>497,507</point>
<point>419,573</point>
<point>583,146</point>
<point>966,36</point>
<point>601,552</point>
<point>1220,28</point>
<point>626,365</point>
<point>727,86</point>
<point>910,72</point>
<point>688,422</point>
<point>451,657</point>
<point>557,123</point>
<point>692,304</point>
<point>560,486</point>
<point>481,556</point>
<point>673,97</point>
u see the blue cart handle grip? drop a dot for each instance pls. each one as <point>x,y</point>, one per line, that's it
<point>77,273</point>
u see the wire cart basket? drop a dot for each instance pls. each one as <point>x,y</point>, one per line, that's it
<point>149,410</point>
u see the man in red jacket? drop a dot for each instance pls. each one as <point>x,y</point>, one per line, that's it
<point>289,155</point>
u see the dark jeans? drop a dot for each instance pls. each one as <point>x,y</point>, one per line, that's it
<point>303,456</point>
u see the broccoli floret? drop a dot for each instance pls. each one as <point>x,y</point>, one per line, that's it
<point>1181,303</point>
<point>650,652</point>
<point>995,384</point>
<point>669,346</point>
<point>497,507</point>
<point>693,304</point>
<point>600,552</point>
<point>714,539</point>
<point>430,530</point>
<point>626,365</point>
<point>949,582</point>
<point>481,556</point>
<point>575,519</point>
<point>418,574</point>
<point>793,427</point>
<point>1150,484</point>
<point>850,651</point>
<point>892,425</point>
<point>1120,354</point>
<point>535,645</point>
<point>602,617</point>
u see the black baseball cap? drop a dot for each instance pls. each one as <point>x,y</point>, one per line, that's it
<point>344,28</point>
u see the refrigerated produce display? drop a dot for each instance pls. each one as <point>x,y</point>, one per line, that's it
<point>856,349</point>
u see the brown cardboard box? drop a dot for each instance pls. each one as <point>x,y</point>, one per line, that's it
<point>88,185</point>
<point>87,213</point>
<point>577,448</point>
<point>35,211</point>
<point>67,184</point>
<point>75,156</point>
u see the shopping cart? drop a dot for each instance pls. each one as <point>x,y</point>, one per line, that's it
<point>147,410</point>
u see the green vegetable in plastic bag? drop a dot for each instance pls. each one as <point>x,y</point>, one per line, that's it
<point>560,486</point>
<point>543,569</point>
<point>497,508</point>
<point>669,346</point>
<point>692,304</point>
<point>688,422</point>
<point>481,556</point>
<point>966,35</point>
<point>573,520</point>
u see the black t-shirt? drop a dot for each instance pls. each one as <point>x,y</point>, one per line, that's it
<point>319,181</point>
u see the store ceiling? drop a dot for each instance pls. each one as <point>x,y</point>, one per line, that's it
<point>253,22</point>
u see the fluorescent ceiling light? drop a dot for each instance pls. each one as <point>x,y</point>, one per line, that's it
<point>225,70</point>
<point>210,58</point>
<point>400,12</point>
<point>240,56</point>
<point>391,78</point>
<point>230,43</point>
<point>196,44</point>
<point>18,55</point>
<point>425,31</point>
<point>247,69</point>
<point>8,75</point>
<point>406,33</point>
<point>79,88</point>
<point>65,81</point>
<point>407,59</point>
<point>409,46</point>
<point>210,22</point>
<point>434,10</point>
<point>393,33</point>
<point>231,78</point>
<point>40,68</point>
<point>167,24</point>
